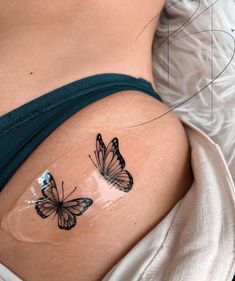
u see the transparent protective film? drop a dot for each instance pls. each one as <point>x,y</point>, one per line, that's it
<point>75,191</point>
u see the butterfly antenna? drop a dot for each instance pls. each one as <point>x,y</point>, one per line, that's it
<point>93,161</point>
<point>70,193</point>
<point>62,191</point>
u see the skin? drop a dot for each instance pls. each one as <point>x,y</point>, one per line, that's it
<point>58,45</point>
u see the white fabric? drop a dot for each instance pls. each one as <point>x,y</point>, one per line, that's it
<point>193,46</point>
<point>7,275</point>
<point>195,241</point>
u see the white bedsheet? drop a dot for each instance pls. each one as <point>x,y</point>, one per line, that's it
<point>189,60</point>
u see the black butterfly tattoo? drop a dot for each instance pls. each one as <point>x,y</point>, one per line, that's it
<point>50,203</point>
<point>111,164</point>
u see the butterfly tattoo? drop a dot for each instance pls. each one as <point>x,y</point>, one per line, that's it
<point>111,164</point>
<point>50,203</point>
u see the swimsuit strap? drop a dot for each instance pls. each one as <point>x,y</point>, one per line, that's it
<point>24,128</point>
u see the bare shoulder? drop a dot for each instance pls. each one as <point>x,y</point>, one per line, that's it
<point>93,188</point>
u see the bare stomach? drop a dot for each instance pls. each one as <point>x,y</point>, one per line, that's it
<point>41,242</point>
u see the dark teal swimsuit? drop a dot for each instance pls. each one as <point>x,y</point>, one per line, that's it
<point>24,128</point>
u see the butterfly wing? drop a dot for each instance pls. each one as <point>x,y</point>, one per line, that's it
<point>45,207</point>
<point>49,188</point>
<point>123,180</point>
<point>47,204</point>
<point>66,219</point>
<point>114,164</point>
<point>70,209</point>
<point>111,164</point>
<point>100,153</point>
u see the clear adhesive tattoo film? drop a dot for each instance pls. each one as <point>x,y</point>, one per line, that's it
<point>77,190</point>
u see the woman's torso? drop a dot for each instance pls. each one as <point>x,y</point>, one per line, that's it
<point>43,48</point>
<point>46,47</point>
